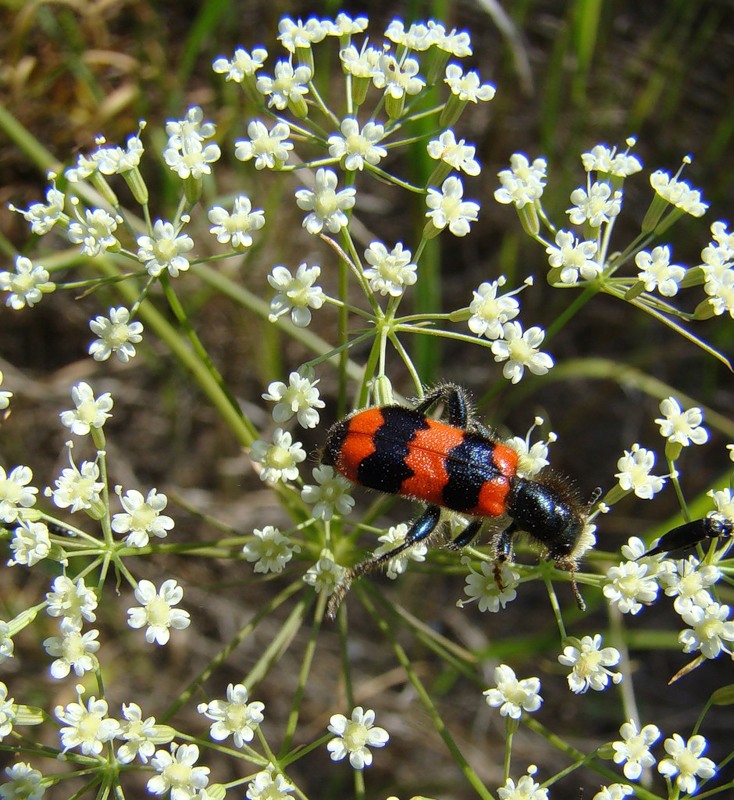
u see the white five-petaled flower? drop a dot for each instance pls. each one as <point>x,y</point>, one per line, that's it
<point>295,293</point>
<point>298,35</point>
<point>300,397</point>
<point>157,610</point>
<point>235,226</point>
<point>269,785</point>
<point>86,726</point>
<point>242,65</point>
<point>710,628</point>
<point>6,642</point>
<point>397,78</point>
<point>325,205</point>
<point>7,713</point>
<point>23,782</point>
<point>686,762</point>
<point>71,599</point>
<point>629,586</point>
<point>458,155</point>
<point>394,537</point>
<point>589,662</point>
<point>678,193</point>
<point>523,183</point>
<point>656,271</point>
<point>271,550</point>
<point>72,650</point>
<point>689,581</point>
<point>520,350</point>
<point>178,773</point>
<point>357,147</point>
<point>634,749</point>
<point>511,695</point>
<point>526,788</point>
<point>142,517</point>
<point>448,209</point>
<point>724,501</point>
<point>634,472</point>
<point>43,216</point>
<point>234,716</point>
<point>164,250</point>
<point>360,63</point>
<point>483,587</point>
<point>490,312</point>
<point>280,459</point>
<point>269,148</point>
<point>574,258</point>
<point>30,543</point>
<point>89,412</point>
<point>188,155</point>
<point>595,205</point>
<point>615,791</point>
<point>116,335</point>
<point>683,427</point>
<point>140,735</point>
<point>608,161</point>
<point>354,737</point>
<point>15,493</point>
<point>94,232</point>
<point>390,271</point>
<point>288,86</point>
<point>325,575</point>
<point>27,285</point>
<point>467,86</point>
<point>330,494</point>
<point>4,395</point>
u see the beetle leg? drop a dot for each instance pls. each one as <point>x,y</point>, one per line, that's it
<point>463,539</point>
<point>421,529</point>
<point>455,400</point>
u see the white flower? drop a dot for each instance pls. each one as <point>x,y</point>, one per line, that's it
<point>4,395</point>
<point>116,335</point>
<point>43,216</point>
<point>6,643</point>
<point>234,717</point>
<point>242,65</point>
<point>724,502</point>
<point>186,152</point>
<point>95,231</point>
<point>355,736</point>
<point>296,294</point>
<point>678,193</point>
<point>520,351</point>
<point>15,493</point>
<point>142,518</point>
<point>330,494</point>
<point>656,271</point>
<point>7,713</point>
<point>27,285</point>
<point>394,537</point>
<point>357,147</point>
<point>325,205</point>
<point>397,78</point>
<point>615,791</point>
<point>458,155</point>
<point>490,312</point>
<point>269,148</point>
<point>523,183</point>
<point>628,586</point>
<point>513,696</point>
<point>71,599</point>
<point>297,35</point>
<point>235,227</point>
<point>30,543</point>
<point>177,772</point>
<point>589,661</point>
<point>157,610</point>
<point>89,412</point>
<point>574,258</point>
<point>360,63</point>
<point>300,397</point>
<point>271,550</point>
<point>689,582</point>
<point>280,459</point>
<point>287,86</point>
<point>325,575</point>
<point>683,427</point>
<point>78,489</point>
<point>116,160</point>
<point>447,208</point>
<point>483,587</point>
<point>269,785</point>
<point>87,727</point>
<point>72,650</point>
<point>24,783</point>
<point>468,87</point>
<point>526,788</point>
<point>164,250</point>
<point>710,628</point>
<point>634,472</point>
<point>140,735</point>
<point>634,749</point>
<point>344,25</point>
<point>390,271</point>
<point>596,205</point>
<point>607,160</point>
<point>686,762</point>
